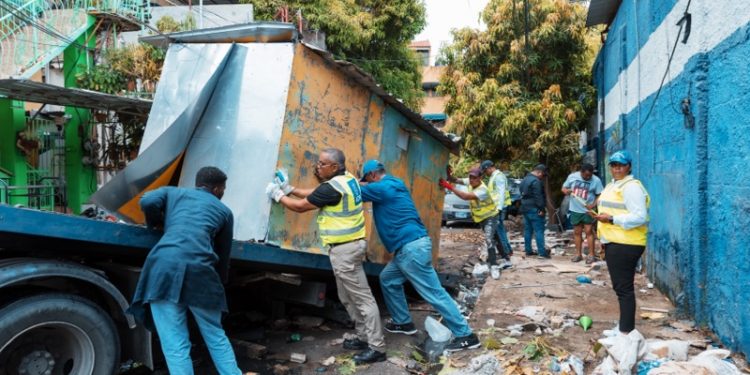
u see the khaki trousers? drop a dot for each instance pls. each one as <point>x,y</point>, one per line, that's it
<point>354,291</point>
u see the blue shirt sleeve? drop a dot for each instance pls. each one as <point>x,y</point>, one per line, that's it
<point>374,192</point>
<point>153,204</point>
<point>223,247</point>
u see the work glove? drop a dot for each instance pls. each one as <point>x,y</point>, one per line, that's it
<point>282,179</point>
<point>445,184</point>
<point>274,191</point>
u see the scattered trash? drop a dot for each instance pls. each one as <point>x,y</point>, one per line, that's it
<point>294,337</point>
<point>599,282</point>
<point>430,351</point>
<point>398,361</point>
<point>645,366</point>
<point>298,358</point>
<point>324,328</point>
<point>486,364</point>
<point>676,350</point>
<point>280,369</point>
<point>480,270</point>
<point>653,315</point>
<point>622,353</point>
<point>653,309</point>
<point>509,341</point>
<point>683,325</point>
<point>650,285</point>
<point>437,331</point>
<point>308,322</point>
<point>495,272</point>
<point>583,279</point>
<point>319,369</point>
<point>585,322</point>
<point>709,362</point>
<point>490,322</point>
<point>544,294</point>
<point>569,365</point>
<point>328,361</point>
<point>535,313</point>
<point>336,342</point>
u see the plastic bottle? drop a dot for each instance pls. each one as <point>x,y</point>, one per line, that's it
<point>437,331</point>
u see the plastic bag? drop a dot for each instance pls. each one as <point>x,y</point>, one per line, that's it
<point>437,331</point>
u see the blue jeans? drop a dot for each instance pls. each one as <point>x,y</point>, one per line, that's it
<point>532,222</point>
<point>170,320</point>
<point>503,235</point>
<point>413,262</point>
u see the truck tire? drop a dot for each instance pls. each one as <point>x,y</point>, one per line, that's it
<point>57,334</point>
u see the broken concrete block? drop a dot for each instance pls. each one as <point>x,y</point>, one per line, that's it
<point>307,322</point>
<point>248,349</point>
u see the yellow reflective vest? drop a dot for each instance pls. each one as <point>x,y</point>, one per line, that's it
<point>482,210</point>
<point>612,202</point>
<point>344,222</point>
<point>495,192</point>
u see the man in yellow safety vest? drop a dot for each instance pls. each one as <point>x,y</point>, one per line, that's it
<point>623,225</point>
<point>498,188</point>
<point>483,211</point>
<point>341,224</point>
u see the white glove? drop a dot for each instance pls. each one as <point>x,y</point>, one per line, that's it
<point>274,191</point>
<point>282,179</point>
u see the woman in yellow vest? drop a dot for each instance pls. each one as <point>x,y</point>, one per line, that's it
<point>623,224</point>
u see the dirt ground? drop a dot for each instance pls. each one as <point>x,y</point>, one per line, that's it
<point>549,286</point>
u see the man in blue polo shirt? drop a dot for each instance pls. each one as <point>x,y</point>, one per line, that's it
<point>404,235</point>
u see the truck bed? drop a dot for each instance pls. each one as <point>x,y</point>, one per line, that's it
<point>23,230</point>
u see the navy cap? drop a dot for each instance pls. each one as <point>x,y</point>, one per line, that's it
<point>371,165</point>
<point>541,167</point>
<point>621,157</point>
<point>486,164</point>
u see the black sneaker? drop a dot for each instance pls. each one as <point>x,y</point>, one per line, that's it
<point>369,356</point>
<point>460,343</point>
<point>406,328</point>
<point>355,344</point>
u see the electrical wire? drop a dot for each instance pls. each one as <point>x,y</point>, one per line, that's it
<point>661,84</point>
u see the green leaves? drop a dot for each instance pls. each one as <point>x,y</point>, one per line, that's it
<point>514,100</point>
<point>373,34</point>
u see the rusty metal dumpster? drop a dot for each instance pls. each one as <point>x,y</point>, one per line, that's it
<point>253,98</point>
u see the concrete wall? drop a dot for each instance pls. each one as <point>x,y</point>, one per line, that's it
<point>694,166</point>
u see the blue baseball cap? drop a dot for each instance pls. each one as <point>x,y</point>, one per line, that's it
<point>371,165</point>
<point>486,164</point>
<point>621,157</point>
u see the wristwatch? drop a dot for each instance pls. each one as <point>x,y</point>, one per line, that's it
<point>611,219</point>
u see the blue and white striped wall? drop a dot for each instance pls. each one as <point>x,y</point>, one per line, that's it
<point>698,174</point>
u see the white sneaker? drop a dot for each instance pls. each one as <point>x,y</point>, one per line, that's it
<point>495,272</point>
<point>506,264</point>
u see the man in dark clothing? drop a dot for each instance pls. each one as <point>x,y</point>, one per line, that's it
<point>533,206</point>
<point>404,235</point>
<point>186,270</point>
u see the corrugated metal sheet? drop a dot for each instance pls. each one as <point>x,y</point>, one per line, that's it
<point>602,11</point>
<point>240,131</point>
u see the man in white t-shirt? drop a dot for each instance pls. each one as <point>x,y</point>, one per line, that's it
<point>583,188</point>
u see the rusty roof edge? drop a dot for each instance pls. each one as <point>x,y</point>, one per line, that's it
<point>24,90</point>
<point>365,79</point>
<point>602,12</point>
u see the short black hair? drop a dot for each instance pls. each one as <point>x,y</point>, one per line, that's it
<point>586,167</point>
<point>337,156</point>
<point>210,177</point>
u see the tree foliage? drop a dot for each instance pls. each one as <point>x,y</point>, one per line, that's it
<point>373,34</point>
<point>514,101</point>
